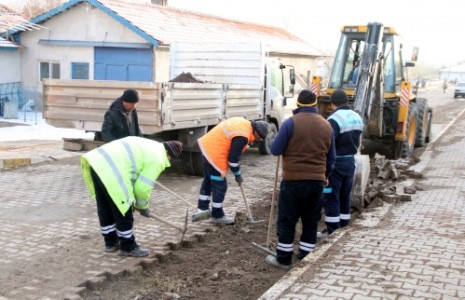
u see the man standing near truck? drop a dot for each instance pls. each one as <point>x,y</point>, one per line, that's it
<point>121,119</point>
<point>347,126</point>
<point>222,148</point>
<point>306,144</point>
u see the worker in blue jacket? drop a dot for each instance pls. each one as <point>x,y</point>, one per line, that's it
<point>306,144</point>
<point>347,126</point>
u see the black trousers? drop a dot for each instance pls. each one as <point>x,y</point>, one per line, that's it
<point>113,225</point>
<point>300,199</point>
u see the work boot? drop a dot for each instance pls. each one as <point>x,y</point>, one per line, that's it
<point>111,248</point>
<point>223,220</point>
<point>322,234</point>
<point>201,215</point>
<point>301,255</point>
<point>273,261</point>
<point>136,252</point>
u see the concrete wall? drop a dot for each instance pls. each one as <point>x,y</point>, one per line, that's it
<point>80,23</point>
<point>10,62</point>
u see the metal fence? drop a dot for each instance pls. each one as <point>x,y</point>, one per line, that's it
<point>19,102</point>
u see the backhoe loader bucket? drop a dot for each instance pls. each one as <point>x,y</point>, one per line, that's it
<point>361,176</point>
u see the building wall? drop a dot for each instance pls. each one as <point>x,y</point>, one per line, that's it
<point>80,23</point>
<point>10,62</point>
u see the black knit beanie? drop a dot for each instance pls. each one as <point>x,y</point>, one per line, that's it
<point>306,98</point>
<point>130,95</point>
<point>339,97</point>
<point>174,149</point>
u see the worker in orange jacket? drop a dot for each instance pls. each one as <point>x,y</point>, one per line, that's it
<point>222,148</point>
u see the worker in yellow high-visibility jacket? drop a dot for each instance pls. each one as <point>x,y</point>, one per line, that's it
<point>120,176</point>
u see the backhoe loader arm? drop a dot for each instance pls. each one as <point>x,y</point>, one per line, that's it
<point>369,89</point>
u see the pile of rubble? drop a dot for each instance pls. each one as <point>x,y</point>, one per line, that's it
<point>391,180</point>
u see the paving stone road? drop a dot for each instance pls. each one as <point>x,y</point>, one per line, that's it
<point>411,250</point>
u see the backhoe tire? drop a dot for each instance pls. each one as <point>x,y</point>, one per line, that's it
<point>404,149</point>
<point>423,122</point>
<point>264,146</point>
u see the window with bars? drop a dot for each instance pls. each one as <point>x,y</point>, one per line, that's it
<point>79,70</point>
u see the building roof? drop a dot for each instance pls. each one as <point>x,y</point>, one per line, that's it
<point>163,25</point>
<point>5,44</point>
<point>10,21</point>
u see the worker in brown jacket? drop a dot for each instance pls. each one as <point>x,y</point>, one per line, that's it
<point>306,143</point>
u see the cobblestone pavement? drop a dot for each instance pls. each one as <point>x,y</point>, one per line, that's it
<point>412,250</point>
<point>400,251</point>
<point>51,247</point>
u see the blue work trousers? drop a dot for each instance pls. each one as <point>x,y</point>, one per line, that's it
<point>214,188</point>
<point>337,195</point>
<point>300,199</point>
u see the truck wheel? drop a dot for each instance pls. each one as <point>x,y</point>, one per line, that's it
<point>264,147</point>
<point>193,162</point>
<point>404,149</point>
<point>422,122</point>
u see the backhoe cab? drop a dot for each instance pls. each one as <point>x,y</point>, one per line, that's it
<point>369,67</point>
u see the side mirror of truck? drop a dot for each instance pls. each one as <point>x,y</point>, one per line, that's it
<point>292,76</point>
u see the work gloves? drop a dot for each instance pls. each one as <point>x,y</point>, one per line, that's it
<point>145,212</point>
<point>239,179</point>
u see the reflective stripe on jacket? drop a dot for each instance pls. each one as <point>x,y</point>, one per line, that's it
<point>216,144</point>
<point>348,127</point>
<point>128,168</point>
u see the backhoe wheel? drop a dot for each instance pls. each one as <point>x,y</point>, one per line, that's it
<point>264,147</point>
<point>423,123</point>
<point>404,149</point>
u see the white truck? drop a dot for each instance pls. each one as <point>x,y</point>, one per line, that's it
<point>238,80</point>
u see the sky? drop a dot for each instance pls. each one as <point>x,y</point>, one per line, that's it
<point>434,26</point>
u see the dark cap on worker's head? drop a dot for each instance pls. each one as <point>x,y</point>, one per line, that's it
<point>306,98</point>
<point>339,97</point>
<point>174,149</point>
<point>261,127</point>
<point>130,95</point>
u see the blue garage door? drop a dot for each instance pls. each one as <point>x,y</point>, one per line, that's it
<point>123,64</point>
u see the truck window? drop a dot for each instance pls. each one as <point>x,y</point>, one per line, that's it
<point>277,80</point>
<point>389,67</point>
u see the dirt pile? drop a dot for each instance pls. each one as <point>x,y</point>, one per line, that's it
<point>186,77</point>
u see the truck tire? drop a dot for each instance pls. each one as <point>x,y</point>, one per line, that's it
<point>264,147</point>
<point>404,149</point>
<point>193,162</point>
<point>422,122</point>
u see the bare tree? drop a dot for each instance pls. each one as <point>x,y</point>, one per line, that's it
<point>34,8</point>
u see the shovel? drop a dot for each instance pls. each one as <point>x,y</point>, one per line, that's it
<point>183,230</point>
<point>250,218</point>
<point>173,193</point>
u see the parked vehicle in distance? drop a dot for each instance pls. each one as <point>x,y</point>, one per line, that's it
<point>459,89</point>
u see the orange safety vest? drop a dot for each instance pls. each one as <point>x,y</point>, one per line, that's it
<point>216,144</point>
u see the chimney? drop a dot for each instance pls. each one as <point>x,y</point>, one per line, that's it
<point>160,2</point>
